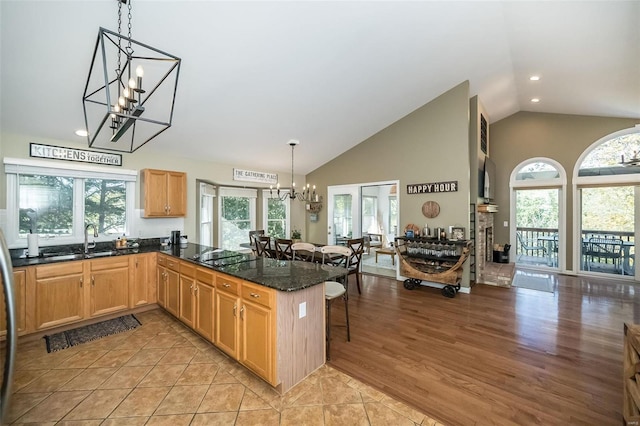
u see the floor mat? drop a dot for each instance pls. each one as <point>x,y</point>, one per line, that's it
<point>534,281</point>
<point>87,333</point>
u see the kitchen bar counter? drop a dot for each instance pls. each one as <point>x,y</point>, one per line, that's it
<point>266,314</point>
<point>277,274</point>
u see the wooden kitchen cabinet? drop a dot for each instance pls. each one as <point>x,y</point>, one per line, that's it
<point>19,292</point>
<point>227,325</point>
<point>161,280</point>
<point>257,324</point>
<point>205,301</point>
<point>143,275</point>
<point>164,193</point>
<point>172,302</point>
<point>187,287</point>
<point>109,289</point>
<point>59,294</point>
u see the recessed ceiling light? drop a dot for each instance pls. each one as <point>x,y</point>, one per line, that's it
<point>535,100</point>
<point>534,78</point>
<point>81,132</point>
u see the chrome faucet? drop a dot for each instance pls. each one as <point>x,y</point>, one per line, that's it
<point>86,237</point>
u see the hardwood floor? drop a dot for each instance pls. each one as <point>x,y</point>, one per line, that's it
<point>498,356</point>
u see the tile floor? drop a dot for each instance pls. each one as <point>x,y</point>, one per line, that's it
<point>162,373</point>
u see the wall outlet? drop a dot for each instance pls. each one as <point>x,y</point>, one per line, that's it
<point>302,310</point>
<point>506,224</point>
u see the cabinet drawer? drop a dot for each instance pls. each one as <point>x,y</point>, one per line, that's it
<point>162,260</point>
<point>188,269</point>
<point>258,294</point>
<point>110,263</point>
<point>228,284</point>
<point>206,276</point>
<point>59,269</point>
<point>173,264</point>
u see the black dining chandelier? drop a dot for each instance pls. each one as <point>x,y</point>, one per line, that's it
<point>130,91</point>
<point>308,193</point>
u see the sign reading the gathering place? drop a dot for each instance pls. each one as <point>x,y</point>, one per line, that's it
<point>431,188</point>
<point>251,176</point>
<point>72,154</point>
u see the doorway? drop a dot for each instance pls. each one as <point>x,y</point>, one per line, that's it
<point>370,210</point>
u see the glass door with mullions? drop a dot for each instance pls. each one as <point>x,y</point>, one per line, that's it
<point>607,236</point>
<point>537,227</point>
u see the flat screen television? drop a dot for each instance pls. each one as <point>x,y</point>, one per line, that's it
<point>489,180</point>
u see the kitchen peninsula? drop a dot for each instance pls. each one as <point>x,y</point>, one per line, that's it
<point>267,314</point>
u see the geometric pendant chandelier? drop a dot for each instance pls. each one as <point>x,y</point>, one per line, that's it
<point>130,91</point>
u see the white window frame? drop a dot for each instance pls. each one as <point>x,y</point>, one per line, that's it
<point>559,183</point>
<point>579,182</point>
<point>237,192</point>
<point>207,194</point>
<point>266,195</point>
<point>17,166</point>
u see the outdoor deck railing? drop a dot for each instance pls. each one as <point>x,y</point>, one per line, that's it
<point>544,237</point>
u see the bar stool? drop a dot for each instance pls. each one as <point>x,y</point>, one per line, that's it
<point>334,289</point>
<point>302,247</point>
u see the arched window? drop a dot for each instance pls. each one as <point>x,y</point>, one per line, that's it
<point>613,156</point>
<point>537,213</point>
<point>606,182</point>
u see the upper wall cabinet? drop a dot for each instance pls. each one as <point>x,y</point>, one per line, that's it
<point>164,193</point>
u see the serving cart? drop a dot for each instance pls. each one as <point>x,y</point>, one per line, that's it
<point>433,260</point>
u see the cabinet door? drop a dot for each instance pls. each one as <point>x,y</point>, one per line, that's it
<point>109,291</point>
<point>161,293</point>
<point>226,323</point>
<point>19,287</point>
<point>176,194</point>
<point>173,292</point>
<point>257,347</point>
<point>143,282</point>
<point>59,294</point>
<point>155,193</point>
<point>187,300</point>
<point>204,310</point>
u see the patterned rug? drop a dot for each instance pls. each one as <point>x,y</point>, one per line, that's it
<point>384,261</point>
<point>87,333</point>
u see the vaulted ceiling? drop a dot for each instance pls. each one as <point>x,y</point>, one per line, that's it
<point>330,74</point>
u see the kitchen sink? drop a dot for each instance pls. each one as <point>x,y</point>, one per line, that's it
<point>69,256</point>
<point>77,256</point>
<point>99,254</point>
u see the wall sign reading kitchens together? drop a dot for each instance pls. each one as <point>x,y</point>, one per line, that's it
<point>72,154</point>
<point>429,188</point>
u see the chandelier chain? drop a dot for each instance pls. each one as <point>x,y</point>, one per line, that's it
<point>129,49</point>
<point>119,40</point>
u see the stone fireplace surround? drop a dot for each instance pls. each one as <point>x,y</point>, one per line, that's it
<point>488,272</point>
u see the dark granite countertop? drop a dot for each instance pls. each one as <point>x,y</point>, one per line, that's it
<point>281,275</point>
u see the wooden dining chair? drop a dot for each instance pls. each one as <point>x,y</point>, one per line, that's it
<point>252,238</point>
<point>357,246</point>
<point>263,248</point>
<point>283,249</point>
<point>308,250</point>
<point>337,256</point>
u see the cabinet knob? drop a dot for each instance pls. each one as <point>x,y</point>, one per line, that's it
<point>256,295</point>
<point>93,280</point>
<point>225,285</point>
<point>241,311</point>
<point>81,281</point>
<point>235,307</point>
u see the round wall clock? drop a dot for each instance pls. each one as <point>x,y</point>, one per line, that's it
<point>430,209</point>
